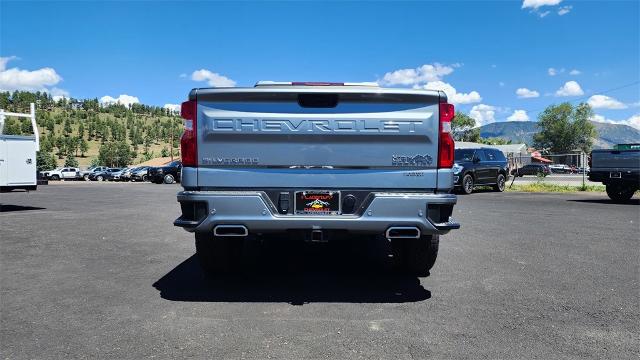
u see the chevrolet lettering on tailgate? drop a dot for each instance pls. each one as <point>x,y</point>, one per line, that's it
<point>286,125</point>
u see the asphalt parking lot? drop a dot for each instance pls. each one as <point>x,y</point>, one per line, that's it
<point>96,270</point>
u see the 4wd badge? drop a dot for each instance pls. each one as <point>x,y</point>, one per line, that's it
<point>408,160</point>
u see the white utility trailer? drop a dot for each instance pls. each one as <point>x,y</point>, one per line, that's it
<point>18,155</point>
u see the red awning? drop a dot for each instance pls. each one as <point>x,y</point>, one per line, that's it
<point>541,159</point>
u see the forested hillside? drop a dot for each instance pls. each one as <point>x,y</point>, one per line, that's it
<point>84,132</point>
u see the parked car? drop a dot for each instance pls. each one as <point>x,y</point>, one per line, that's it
<point>480,167</point>
<point>139,174</point>
<point>103,175</point>
<point>618,170</point>
<point>167,174</point>
<point>126,173</point>
<point>117,175</point>
<point>562,169</point>
<point>93,169</point>
<point>67,173</point>
<point>534,169</point>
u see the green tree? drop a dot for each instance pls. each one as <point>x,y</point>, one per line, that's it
<point>463,128</point>
<point>67,127</point>
<point>115,154</point>
<point>565,128</point>
<point>164,152</point>
<point>84,146</point>
<point>45,161</point>
<point>12,127</point>
<point>71,161</point>
<point>72,145</point>
<point>61,145</point>
<point>148,156</point>
<point>81,130</point>
<point>147,143</point>
<point>495,141</point>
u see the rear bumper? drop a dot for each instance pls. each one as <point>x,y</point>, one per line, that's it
<point>255,211</point>
<point>615,176</point>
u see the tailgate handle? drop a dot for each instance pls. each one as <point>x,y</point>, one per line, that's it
<point>318,100</point>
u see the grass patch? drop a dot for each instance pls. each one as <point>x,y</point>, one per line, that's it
<point>545,187</point>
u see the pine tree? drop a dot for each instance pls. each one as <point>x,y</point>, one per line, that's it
<point>84,147</point>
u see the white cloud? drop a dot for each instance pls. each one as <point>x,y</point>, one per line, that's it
<point>123,99</point>
<point>59,94</point>
<point>564,10</point>
<point>429,76</point>
<point>483,114</point>
<point>605,102</point>
<point>28,80</point>
<point>453,96</point>
<point>553,71</point>
<point>544,13</point>
<point>525,93</point>
<point>570,88</point>
<point>535,4</point>
<point>518,115</point>
<point>575,72</point>
<point>173,107</point>
<point>633,121</point>
<point>4,61</point>
<point>213,79</point>
<point>419,75</point>
<point>183,75</point>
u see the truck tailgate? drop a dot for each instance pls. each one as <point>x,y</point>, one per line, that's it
<point>373,139</point>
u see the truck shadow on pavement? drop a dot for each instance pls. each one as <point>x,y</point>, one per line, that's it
<point>298,274</point>
<point>606,201</point>
<point>9,208</point>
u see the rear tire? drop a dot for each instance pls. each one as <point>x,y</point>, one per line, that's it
<point>467,184</point>
<point>169,179</point>
<point>99,178</point>
<point>500,183</point>
<point>86,177</point>
<point>218,255</point>
<point>415,257</point>
<point>620,193</point>
<point>55,177</point>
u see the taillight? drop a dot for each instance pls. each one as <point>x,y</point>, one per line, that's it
<point>446,147</point>
<point>189,140</point>
<point>316,83</point>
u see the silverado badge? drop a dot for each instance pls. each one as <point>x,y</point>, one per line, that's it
<point>407,160</point>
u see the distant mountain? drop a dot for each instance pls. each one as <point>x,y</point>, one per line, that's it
<point>523,131</point>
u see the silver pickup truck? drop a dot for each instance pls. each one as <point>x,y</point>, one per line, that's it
<point>318,161</point>
<point>618,169</point>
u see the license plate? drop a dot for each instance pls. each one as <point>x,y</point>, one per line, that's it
<point>317,202</point>
<point>615,175</point>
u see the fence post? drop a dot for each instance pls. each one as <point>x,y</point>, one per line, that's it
<point>584,168</point>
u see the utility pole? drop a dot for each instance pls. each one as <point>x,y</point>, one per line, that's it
<point>171,145</point>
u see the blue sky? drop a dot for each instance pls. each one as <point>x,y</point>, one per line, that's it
<point>479,52</point>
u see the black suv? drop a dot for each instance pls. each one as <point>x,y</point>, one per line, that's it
<point>167,174</point>
<point>478,167</point>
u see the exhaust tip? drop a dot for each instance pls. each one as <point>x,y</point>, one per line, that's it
<point>403,232</point>
<point>230,230</point>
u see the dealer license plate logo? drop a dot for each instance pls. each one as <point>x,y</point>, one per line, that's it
<point>317,202</point>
